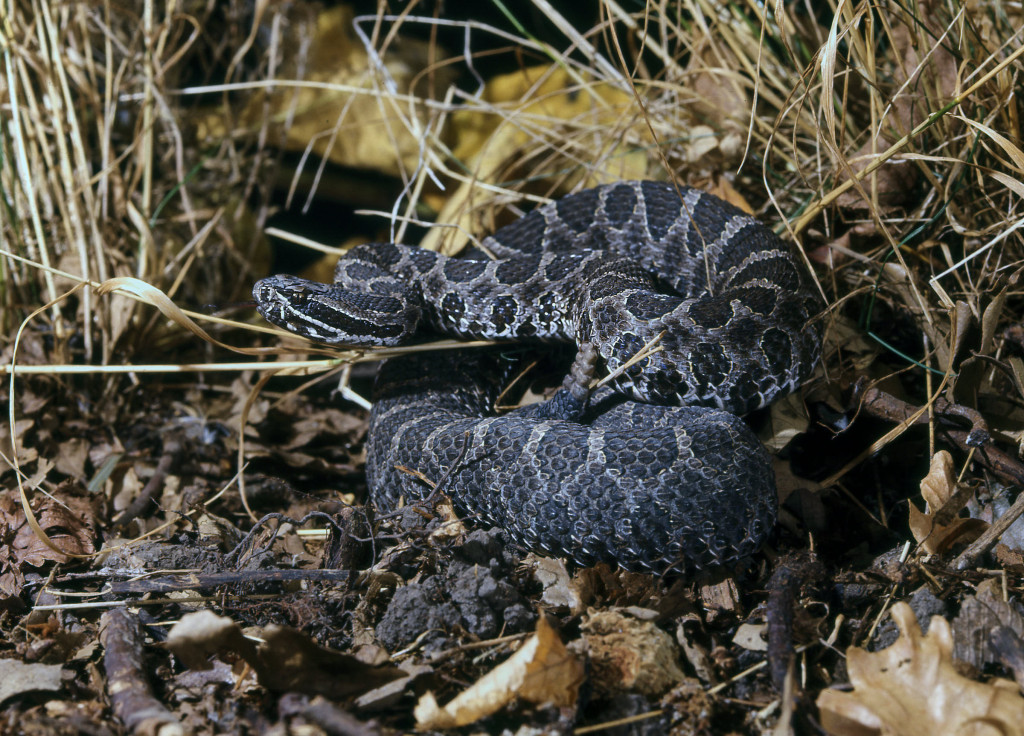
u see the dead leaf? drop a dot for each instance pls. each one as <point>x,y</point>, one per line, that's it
<point>291,661</point>
<point>26,455</point>
<point>990,322</point>
<point>450,527</point>
<point>123,488</point>
<point>544,99</point>
<point>519,110</point>
<point>199,636</point>
<point>542,671</point>
<point>727,192</point>
<point>284,659</point>
<point>913,689</point>
<point>979,616</point>
<point>892,182</point>
<point>846,338</point>
<point>720,94</point>
<point>17,677</point>
<point>340,114</point>
<point>789,419</point>
<point>31,403</point>
<point>940,484</point>
<point>325,425</point>
<point>693,647</point>
<point>788,483</point>
<point>937,488</point>
<point>752,637</point>
<point>387,696</point>
<point>67,520</point>
<point>559,589</point>
<point>72,456</point>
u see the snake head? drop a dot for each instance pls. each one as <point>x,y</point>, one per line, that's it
<point>330,314</point>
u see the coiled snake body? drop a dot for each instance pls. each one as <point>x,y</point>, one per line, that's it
<point>658,474</point>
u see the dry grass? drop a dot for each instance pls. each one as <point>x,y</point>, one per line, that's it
<point>900,122</point>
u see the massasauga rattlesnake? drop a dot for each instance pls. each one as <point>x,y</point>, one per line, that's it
<point>659,473</point>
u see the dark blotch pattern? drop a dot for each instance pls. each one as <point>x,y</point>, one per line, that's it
<point>452,306</point>
<point>711,313</point>
<point>780,271</point>
<point>663,207</point>
<point>777,347</point>
<point>504,313</point>
<point>646,306</point>
<point>710,364</point>
<point>515,271</point>
<point>577,210</point>
<point>758,299</point>
<point>463,269</point>
<point>559,269</point>
<point>620,205</point>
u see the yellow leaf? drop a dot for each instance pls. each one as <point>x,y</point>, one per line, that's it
<point>937,488</point>
<point>528,110</point>
<point>337,107</point>
<point>940,483</point>
<point>542,671</point>
<point>913,689</point>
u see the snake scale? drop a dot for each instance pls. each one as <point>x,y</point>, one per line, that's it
<point>657,473</point>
